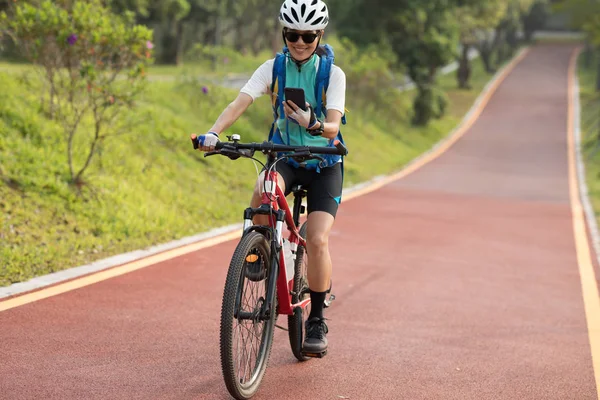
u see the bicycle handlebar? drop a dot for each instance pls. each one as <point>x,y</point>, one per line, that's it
<point>268,147</point>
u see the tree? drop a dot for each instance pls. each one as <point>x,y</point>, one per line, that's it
<point>422,34</point>
<point>476,19</point>
<point>592,29</point>
<point>584,15</point>
<point>424,37</point>
<point>535,19</point>
<point>93,62</point>
<point>506,35</point>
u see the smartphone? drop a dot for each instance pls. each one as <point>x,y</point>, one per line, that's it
<point>296,95</point>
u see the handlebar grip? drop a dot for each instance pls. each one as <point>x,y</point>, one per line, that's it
<point>341,148</point>
<point>196,142</point>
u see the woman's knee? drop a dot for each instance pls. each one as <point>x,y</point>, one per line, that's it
<point>317,238</point>
<point>319,227</point>
<point>317,241</point>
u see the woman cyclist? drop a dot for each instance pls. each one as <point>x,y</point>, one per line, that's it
<point>303,24</point>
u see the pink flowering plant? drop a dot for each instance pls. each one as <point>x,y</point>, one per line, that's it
<point>92,61</point>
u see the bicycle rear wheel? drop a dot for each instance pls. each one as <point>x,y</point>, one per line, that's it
<point>245,339</point>
<point>296,321</point>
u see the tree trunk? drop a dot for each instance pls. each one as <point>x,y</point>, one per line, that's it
<point>179,36</point>
<point>239,41</point>
<point>485,51</point>
<point>463,73</point>
<point>168,54</point>
<point>513,43</point>
<point>498,47</point>
<point>425,106</point>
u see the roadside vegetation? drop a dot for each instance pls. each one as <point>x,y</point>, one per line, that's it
<point>590,127</point>
<point>585,16</point>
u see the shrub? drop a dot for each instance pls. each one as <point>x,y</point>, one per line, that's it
<point>92,62</point>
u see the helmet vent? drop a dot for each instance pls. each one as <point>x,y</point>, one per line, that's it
<point>288,19</point>
<point>295,15</point>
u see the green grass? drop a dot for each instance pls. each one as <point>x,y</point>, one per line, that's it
<point>590,129</point>
<point>148,186</point>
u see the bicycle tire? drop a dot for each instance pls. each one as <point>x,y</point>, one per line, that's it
<point>296,321</point>
<point>235,287</point>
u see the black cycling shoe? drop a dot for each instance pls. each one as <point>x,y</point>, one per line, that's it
<point>256,271</point>
<point>315,343</point>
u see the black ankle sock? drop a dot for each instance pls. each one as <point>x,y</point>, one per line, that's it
<point>317,300</point>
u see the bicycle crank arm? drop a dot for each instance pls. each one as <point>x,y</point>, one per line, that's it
<point>252,316</point>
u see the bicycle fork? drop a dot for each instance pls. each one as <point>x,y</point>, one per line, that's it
<point>266,308</point>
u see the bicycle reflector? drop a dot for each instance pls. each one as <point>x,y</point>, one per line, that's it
<point>251,258</point>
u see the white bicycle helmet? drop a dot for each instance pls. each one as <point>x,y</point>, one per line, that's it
<point>304,15</point>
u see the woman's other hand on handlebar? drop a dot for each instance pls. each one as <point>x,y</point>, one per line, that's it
<point>208,141</point>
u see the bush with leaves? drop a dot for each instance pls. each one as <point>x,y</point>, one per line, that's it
<point>370,79</point>
<point>93,63</point>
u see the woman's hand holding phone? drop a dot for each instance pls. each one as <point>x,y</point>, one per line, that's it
<point>306,119</point>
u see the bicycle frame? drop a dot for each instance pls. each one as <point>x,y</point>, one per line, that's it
<point>275,206</point>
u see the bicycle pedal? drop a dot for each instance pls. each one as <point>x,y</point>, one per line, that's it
<point>315,355</point>
<point>328,301</point>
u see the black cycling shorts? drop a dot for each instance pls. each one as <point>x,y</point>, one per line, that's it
<point>324,189</point>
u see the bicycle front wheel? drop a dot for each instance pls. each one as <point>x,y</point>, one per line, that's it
<point>246,339</point>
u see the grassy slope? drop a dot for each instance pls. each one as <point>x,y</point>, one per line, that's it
<point>148,186</point>
<point>590,130</point>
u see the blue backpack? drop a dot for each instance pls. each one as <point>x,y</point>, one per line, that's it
<point>321,85</point>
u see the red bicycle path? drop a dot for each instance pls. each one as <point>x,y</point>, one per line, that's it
<point>459,281</point>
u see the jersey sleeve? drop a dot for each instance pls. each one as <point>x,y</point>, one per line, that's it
<point>260,81</point>
<point>336,92</point>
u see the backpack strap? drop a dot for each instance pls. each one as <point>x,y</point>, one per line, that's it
<point>322,80</point>
<point>327,59</point>
<point>277,86</point>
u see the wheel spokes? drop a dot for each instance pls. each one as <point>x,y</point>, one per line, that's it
<point>248,333</point>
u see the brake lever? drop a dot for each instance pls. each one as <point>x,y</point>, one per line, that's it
<point>211,153</point>
<point>247,152</point>
<point>234,154</point>
<point>303,156</point>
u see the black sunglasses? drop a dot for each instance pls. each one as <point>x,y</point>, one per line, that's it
<point>307,38</point>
